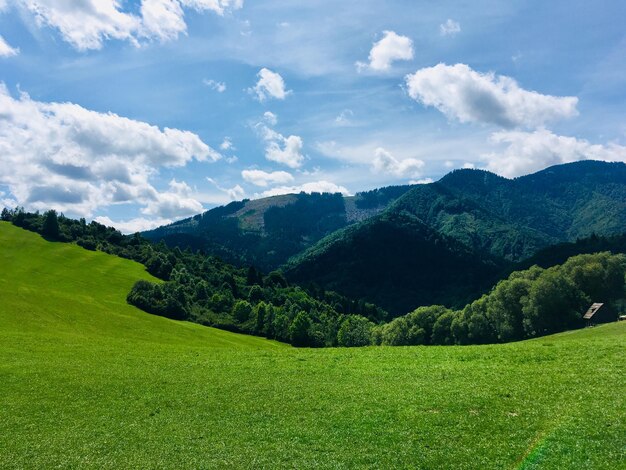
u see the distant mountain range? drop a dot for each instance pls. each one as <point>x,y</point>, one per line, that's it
<point>267,232</point>
<point>405,246</point>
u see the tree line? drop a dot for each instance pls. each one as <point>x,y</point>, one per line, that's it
<point>195,287</point>
<point>529,303</point>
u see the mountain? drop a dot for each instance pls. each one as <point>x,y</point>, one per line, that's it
<point>496,220</point>
<point>397,261</point>
<point>267,232</point>
<point>405,246</point>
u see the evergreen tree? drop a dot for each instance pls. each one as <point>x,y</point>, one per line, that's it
<point>50,227</point>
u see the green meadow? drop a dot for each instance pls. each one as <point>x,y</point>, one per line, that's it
<point>87,381</point>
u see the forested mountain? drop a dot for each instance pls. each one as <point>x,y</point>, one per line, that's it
<point>267,232</point>
<point>495,220</point>
<point>397,261</point>
<point>405,246</point>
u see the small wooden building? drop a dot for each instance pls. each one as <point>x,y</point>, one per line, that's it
<point>599,313</point>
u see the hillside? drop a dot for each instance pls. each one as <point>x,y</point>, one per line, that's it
<point>266,232</point>
<point>495,219</point>
<point>396,261</point>
<point>88,381</point>
<point>51,291</point>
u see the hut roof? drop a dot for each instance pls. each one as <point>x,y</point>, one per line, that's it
<point>592,311</point>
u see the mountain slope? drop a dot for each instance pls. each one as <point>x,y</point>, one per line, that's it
<point>59,290</point>
<point>496,220</point>
<point>266,232</point>
<point>515,218</point>
<point>396,261</point>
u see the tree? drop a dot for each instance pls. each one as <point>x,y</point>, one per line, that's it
<point>354,331</point>
<point>6,215</point>
<point>442,329</point>
<point>50,227</point>
<point>553,304</point>
<point>299,329</point>
<point>242,310</point>
<point>256,294</point>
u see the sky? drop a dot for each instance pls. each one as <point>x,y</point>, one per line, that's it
<point>138,113</point>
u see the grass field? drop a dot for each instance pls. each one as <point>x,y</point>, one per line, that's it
<point>88,381</point>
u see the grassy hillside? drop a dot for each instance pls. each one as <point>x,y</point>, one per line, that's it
<point>87,381</point>
<point>59,291</point>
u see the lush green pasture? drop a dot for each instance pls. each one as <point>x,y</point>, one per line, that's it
<point>88,381</point>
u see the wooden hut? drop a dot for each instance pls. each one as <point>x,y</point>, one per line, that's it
<point>599,313</point>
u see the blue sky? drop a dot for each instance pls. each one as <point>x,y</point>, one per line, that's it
<point>136,113</point>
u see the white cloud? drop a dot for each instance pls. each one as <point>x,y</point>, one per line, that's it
<point>270,118</point>
<point>66,157</point>
<point>86,24</point>
<point>278,148</point>
<point>220,87</point>
<point>227,144</point>
<point>421,181</point>
<point>469,96</point>
<point>264,179</point>
<point>312,187</point>
<point>449,28</point>
<point>528,152</point>
<point>138,224</point>
<point>468,166</point>
<point>269,85</point>
<point>390,48</point>
<point>177,202</point>
<point>286,150</point>
<point>162,19</point>
<point>234,194</point>
<point>344,118</point>
<point>6,50</point>
<point>384,162</point>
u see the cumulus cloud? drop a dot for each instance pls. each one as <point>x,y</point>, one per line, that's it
<point>278,148</point>
<point>88,23</point>
<point>384,162</point>
<point>6,50</point>
<point>449,28</point>
<point>285,150</point>
<point>66,157</point>
<point>312,187</point>
<point>528,152</point>
<point>390,48</point>
<point>269,85</point>
<point>469,96</point>
<point>264,179</point>
<point>177,202</point>
<point>220,87</point>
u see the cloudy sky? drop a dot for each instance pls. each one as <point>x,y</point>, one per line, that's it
<point>139,112</point>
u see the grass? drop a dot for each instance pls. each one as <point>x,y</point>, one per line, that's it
<point>88,381</point>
